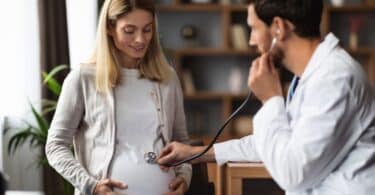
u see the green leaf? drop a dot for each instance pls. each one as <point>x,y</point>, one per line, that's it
<point>52,83</point>
<point>43,125</point>
<point>48,106</point>
<point>9,129</point>
<point>39,137</point>
<point>53,72</point>
<point>46,102</point>
<point>17,140</point>
<point>48,110</point>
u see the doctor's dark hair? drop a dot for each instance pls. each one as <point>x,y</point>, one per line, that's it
<point>305,15</point>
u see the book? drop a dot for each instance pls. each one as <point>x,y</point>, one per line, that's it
<point>188,83</point>
<point>238,36</point>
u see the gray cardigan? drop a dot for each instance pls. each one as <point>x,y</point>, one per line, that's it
<point>86,119</point>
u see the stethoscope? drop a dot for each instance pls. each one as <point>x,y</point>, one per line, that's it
<point>151,157</point>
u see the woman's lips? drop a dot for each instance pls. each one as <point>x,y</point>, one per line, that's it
<point>138,49</point>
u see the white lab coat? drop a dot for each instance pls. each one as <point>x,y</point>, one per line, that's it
<point>322,142</point>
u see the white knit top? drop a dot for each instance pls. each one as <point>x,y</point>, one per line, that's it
<point>137,132</point>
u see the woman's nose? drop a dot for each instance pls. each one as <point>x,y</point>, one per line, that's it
<point>140,38</point>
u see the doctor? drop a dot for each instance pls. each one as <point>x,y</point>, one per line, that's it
<point>321,140</point>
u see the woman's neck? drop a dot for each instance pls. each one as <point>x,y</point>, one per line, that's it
<point>126,61</point>
<point>129,63</point>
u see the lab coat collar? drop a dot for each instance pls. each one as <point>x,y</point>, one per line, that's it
<point>321,52</point>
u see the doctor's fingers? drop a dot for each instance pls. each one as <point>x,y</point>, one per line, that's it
<point>167,154</point>
<point>254,67</point>
<point>265,63</point>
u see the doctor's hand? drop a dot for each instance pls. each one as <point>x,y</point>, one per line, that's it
<point>105,186</point>
<point>178,186</point>
<point>174,152</point>
<point>264,79</point>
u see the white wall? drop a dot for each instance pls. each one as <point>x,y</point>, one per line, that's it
<point>82,19</point>
<point>21,168</point>
<point>19,84</point>
<point>20,73</point>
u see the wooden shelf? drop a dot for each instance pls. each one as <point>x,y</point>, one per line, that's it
<point>190,7</point>
<point>241,8</point>
<point>361,51</point>
<point>352,8</point>
<point>202,7</point>
<point>216,52</point>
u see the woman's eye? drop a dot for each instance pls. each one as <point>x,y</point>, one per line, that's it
<point>128,31</point>
<point>147,30</point>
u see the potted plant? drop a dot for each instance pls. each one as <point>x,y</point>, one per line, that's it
<point>36,135</point>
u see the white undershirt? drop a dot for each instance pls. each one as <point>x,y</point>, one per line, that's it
<point>137,133</point>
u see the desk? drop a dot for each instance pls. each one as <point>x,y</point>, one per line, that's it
<point>236,172</point>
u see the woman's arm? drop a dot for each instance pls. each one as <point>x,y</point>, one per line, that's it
<point>69,112</point>
<point>179,128</point>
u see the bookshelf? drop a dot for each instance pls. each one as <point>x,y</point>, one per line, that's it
<point>336,19</point>
<point>211,62</point>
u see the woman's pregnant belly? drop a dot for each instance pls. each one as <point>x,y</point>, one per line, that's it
<point>142,178</point>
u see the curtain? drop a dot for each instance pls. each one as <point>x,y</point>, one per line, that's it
<point>54,51</point>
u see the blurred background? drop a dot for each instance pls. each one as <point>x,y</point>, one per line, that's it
<point>205,41</point>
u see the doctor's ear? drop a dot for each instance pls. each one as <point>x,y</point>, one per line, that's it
<point>280,28</point>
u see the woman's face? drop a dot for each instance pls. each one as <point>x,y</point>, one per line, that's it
<point>132,33</point>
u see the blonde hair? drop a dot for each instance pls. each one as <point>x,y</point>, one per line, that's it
<point>108,75</point>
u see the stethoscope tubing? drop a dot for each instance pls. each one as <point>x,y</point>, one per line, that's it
<point>209,146</point>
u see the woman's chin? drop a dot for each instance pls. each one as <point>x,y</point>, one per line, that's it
<point>138,56</point>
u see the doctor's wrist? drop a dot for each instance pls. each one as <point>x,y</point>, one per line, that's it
<point>207,157</point>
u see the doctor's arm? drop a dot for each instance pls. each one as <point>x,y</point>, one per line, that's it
<point>302,156</point>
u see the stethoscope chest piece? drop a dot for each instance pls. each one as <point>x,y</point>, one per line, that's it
<point>150,157</point>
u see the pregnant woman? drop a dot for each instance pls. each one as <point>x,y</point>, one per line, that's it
<point>124,103</point>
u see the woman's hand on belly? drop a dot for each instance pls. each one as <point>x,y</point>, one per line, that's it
<point>105,186</point>
<point>177,186</point>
